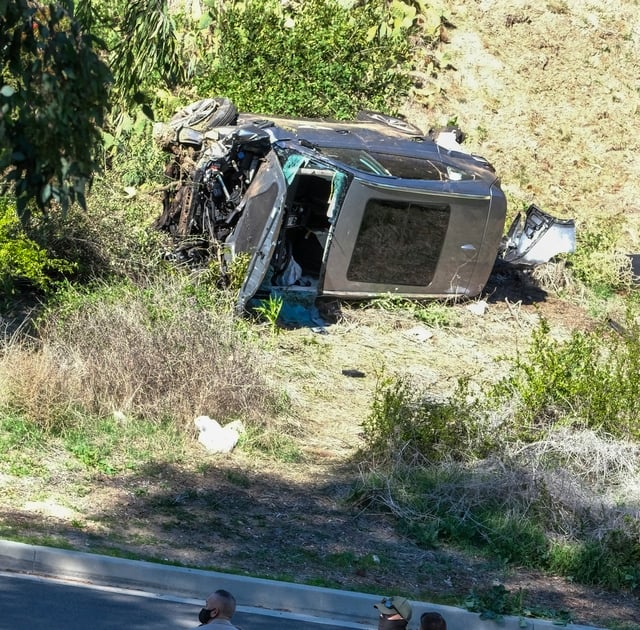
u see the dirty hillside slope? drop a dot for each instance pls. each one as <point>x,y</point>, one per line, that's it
<point>548,92</point>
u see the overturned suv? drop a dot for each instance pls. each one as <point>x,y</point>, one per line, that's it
<point>343,209</point>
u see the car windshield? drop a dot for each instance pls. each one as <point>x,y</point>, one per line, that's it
<point>400,166</point>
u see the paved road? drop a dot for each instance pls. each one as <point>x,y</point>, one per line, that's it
<point>28,602</point>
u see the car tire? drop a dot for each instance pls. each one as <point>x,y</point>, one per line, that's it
<point>205,114</point>
<point>390,121</point>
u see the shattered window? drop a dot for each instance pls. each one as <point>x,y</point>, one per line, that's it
<point>399,243</point>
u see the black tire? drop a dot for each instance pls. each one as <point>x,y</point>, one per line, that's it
<point>206,114</point>
<point>390,121</point>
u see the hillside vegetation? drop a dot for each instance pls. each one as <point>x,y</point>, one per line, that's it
<point>482,454</point>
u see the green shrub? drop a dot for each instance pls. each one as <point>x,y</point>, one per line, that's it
<point>112,238</point>
<point>315,58</point>
<point>23,262</point>
<point>405,420</point>
<point>468,507</point>
<point>611,561</point>
<point>598,263</point>
<point>436,315</point>
<point>493,602</point>
<point>590,380</point>
<point>131,154</point>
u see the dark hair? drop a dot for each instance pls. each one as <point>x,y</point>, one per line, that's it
<point>228,602</point>
<point>432,621</point>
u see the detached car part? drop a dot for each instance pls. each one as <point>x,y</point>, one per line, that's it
<point>537,237</point>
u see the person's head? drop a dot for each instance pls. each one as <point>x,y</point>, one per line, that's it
<point>395,613</point>
<point>432,621</point>
<point>220,604</point>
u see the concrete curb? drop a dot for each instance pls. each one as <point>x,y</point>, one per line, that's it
<point>324,603</point>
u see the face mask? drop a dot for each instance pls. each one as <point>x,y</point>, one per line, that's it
<point>204,616</point>
<point>391,624</point>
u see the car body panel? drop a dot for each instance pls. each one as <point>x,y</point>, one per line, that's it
<point>537,237</point>
<point>429,246</point>
<point>259,225</point>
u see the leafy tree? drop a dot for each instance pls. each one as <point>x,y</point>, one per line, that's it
<point>53,101</point>
<point>147,52</point>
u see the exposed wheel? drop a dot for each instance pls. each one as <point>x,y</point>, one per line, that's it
<point>206,114</point>
<point>390,121</point>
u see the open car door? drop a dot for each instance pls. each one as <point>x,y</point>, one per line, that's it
<point>257,230</point>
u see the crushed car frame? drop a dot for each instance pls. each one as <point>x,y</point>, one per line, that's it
<point>345,209</point>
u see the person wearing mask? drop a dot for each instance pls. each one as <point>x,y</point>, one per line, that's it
<point>395,613</point>
<point>432,621</point>
<point>218,610</point>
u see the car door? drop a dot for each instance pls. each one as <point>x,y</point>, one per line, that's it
<point>421,241</point>
<point>257,229</point>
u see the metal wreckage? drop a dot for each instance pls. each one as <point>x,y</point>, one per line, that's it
<point>349,210</point>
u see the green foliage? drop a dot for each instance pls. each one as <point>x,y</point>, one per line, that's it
<point>275,444</point>
<point>24,263</point>
<point>315,58</point>
<point>131,155</point>
<point>405,420</point>
<point>116,443</point>
<point>436,315</point>
<point>590,380</point>
<point>14,431</point>
<point>269,310</point>
<point>440,503</point>
<point>112,238</point>
<point>612,561</point>
<point>494,602</point>
<point>146,54</point>
<point>53,99</point>
<point>597,262</point>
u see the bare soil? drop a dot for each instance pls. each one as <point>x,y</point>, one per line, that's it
<point>548,92</point>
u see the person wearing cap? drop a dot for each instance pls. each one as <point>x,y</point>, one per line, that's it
<point>218,610</point>
<point>395,613</point>
<point>432,621</point>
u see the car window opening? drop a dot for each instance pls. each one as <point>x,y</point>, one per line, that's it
<point>299,253</point>
<point>407,239</point>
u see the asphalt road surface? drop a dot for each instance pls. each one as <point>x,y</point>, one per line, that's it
<point>28,602</point>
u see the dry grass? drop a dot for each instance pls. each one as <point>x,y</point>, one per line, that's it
<point>575,485</point>
<point>548,93</point>
<point>152,353</point>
